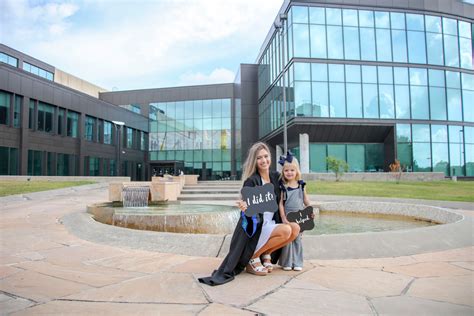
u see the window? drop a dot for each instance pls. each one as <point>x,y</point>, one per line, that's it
<point>129,143</point>
<point>38,71</point>
<point>107,132</point>
<point>4,108</point>
<point>7,59</point>
<point>89,128</point>
<point>9,161</point>
<point>45,117</point>
<point>17,111</point>
<point>72,123</point>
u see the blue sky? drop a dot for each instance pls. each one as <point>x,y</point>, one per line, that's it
<point>126,44</point>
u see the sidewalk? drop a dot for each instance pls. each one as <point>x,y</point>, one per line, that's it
<point>47,269</point>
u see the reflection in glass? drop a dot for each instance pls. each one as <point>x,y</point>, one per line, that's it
<point>335,46</point>
<point>354,100</point>
<point>421,157</point>
<point>419,102</point>
<point>318,41</point>
<point>387,101</point>
<point>402,101</point>
<point>371,109</point>
<point>454,105</point>
<point>303,98</point>
<point>337,98</point>
<point>416,47</point>
<point>434,44</point>
<point>438,103</point>
<point>421,132</point>
<point>439,133</point>
<point>301,40</point>
<point>465,48</point>
<point>317,15</point>
<point>320,99</point>
<point>350,18</point>
<point>351,43</point>
<point>468,108</point>
<point>399,43</point>
<point>403,133</point>
<point>384,48</point>
<point>451,50</point>
<point>368,47</point>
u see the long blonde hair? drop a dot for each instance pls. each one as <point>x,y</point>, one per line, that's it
<point>295,164</point>
<point>250,164</point>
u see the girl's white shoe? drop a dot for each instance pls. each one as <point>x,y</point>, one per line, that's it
<point>297,268</point>
<point>287,268</point>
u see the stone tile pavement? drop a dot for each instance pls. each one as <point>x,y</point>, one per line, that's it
<point>45,269</point>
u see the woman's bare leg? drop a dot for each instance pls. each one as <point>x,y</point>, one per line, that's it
<point>282,234</point>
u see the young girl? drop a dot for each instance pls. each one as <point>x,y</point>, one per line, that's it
<point>293,198</point>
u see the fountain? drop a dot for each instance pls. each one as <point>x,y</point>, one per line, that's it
<point>136,196</point>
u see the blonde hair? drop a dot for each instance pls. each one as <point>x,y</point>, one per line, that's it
<point>250,164</point>
<point>294,163</point>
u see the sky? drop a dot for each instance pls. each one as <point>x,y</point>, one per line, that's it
<point>127,44</point>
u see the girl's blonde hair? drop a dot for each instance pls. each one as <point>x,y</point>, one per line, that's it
<point>294,163</point>
<point>250,164</point>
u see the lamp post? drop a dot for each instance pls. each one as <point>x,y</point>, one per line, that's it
<point>118,125</point>
<point>461,132</point>
<point>280,27</point>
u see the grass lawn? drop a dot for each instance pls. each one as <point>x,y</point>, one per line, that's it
<point>19,187</point>
<point>436,190</point>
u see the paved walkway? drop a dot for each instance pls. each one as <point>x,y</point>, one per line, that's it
<point>47,269</point>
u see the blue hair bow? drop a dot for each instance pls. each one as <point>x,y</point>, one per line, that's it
<point>289,157</point>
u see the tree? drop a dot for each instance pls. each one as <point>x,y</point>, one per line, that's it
<point>338,166</point>
<point>396,168</point>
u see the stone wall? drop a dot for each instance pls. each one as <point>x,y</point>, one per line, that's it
<point>64,178</point>
<point>377,176</point>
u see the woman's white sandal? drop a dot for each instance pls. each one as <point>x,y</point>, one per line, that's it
<point>267,262</point>
<point>255,267</point>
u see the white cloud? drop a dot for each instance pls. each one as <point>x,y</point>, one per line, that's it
<point>141,44</point>
<point>218,75</point>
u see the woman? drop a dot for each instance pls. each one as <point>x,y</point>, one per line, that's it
<point>257,236</point>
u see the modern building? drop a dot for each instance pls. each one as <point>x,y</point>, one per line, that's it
<point>367,81</point>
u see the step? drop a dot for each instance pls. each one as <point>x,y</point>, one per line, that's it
<point>216,191</point>
<point>209,197</point>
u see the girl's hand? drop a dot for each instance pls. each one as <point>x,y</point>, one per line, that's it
<point>311,215</point>
<point>242,205</point>
<point>285,221</point>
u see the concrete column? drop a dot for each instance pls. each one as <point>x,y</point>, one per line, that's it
<point>304,153</point>
<point>279,152</point>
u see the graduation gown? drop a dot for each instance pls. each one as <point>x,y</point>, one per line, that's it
<point>242,247</point>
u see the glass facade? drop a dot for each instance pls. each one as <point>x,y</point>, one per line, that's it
<point>38,71</point>
<point>7,59</point>
<point>339,64</point>
<point>196,132</point>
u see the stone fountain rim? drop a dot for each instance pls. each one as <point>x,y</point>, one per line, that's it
<point>455,234</point>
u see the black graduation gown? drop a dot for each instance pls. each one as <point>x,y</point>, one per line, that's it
<point>242,247</point>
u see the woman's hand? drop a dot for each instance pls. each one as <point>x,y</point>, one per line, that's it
<point>242,205</point>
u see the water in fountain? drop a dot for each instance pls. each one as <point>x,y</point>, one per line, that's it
<point>135,196</point>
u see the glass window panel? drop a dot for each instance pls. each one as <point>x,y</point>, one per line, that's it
<point>450,26</point>
<point>318,41</point>
<point>216,108</point>
<point>419,102</point>
<point>469,165</point>
<point>453,79</point>
<point>397,20</point>
<point>320,99</point>
<point>368,44</point>
<point>319,72</point>
<point>226,108</point>
<point>356,158</point>
<point>467,81</point>
<point>418,76</point>
<point>465,48</point>
<point>402,102</point>
<point>400,75</point>
<point>300,14</point>
<point>354,100</point>
<point>4,159</point>
<point>421,132</point>
<point>403,133</point>
<point>416,47</point>
<point>382,20</point>
<point>336,73</point>
<point>385,74</point>
<point>366,18</point>
<point>455,134</point>
<point>415,22</point>
<point>302,71</point>
<point>317,162</point>
<point>335,45</point>
<point>337,98</point>
<point>353,73</point>
<point>303,98</point>
<point>371,108</point>
<point>374,157</point>
<point>439,133</point>
<point>456,159</point>
<point>387,101</point>
<point>369,74</point>
<point>438,103</point>
<point>317,15</point>
<point>434,44</point>
<point>5,108</point>
<point>421,157</point>
<point>333,16</point>
<point>469,134</point>
<point>451,50</point>
<point>188,109</point>
<point>454,105</point>
<point>468,105</point>
<point>404,155</point>
<point>465,29</point>
<point>301,40</point>
<point>351,43</point>
<point>436,78</point>
<point>433,23</point>
<point>207,108</point>
<point>337,151</point>
<point>197,107</point>
<point>350,17</point>
<point>399,43</point>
